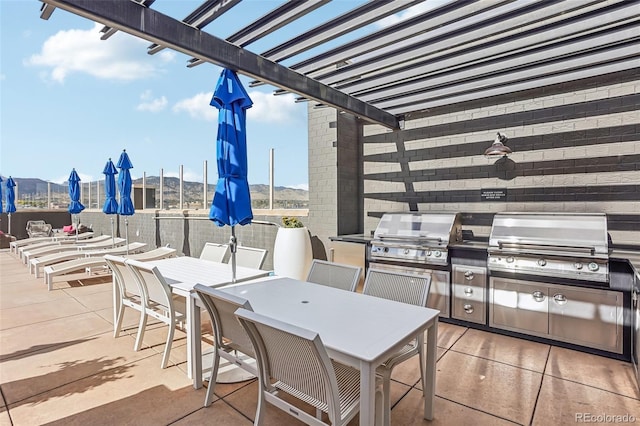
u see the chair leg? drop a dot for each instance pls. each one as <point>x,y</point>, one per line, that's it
<point>214,375</point>
<point>260,410</point>
<point>118,324</point>
<point>141,327</point>
<point>167,346</point>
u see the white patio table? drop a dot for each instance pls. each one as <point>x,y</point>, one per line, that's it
<point>182,274</point>
<point>358,330</point>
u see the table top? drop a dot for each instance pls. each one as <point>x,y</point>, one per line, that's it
<point>356,325</point>
<point>185,272</point>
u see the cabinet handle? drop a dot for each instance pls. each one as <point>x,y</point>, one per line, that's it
<point>538,296</point>
<point>468,308</point>
<point>560,299</point>
<point>468,275</point>
<point>468,291</point>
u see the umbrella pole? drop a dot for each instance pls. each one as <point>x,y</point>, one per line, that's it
<point>233,245</point>
<point>126,234</point>
<point>9,229</point>
<point>113,240</point>
<point>77,224</point>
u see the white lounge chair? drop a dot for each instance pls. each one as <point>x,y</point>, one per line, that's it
<point>15,246</point>
<point>56,243</point>
<point>92,260</point>
<point>50,259</point>
<point>84,246</point>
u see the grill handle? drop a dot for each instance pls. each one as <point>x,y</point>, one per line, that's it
<point>412,238</point>
<point>573,249</point>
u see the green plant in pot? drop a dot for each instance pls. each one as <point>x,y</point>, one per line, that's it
<point>291,222</point>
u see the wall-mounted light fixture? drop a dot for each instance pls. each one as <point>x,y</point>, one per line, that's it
<point>498,147</point>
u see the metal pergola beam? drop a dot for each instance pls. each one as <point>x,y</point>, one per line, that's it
<point>155,27</point>
<point>354,19</point>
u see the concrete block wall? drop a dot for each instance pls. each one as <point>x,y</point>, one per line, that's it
<point>576,149</point>
<point>188,230</point>
<point>323,176</point>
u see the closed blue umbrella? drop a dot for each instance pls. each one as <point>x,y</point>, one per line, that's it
<point>124,185</point>
<point>110,204</point>
<point>75,206</point>
<point>0,194</point>
<point>232,200</point>
<point>11,199</point>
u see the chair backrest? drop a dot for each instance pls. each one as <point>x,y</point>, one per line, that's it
<point>221,307</point>
<point>214,252</point>
<point>155,254</point>
<point>294,356</point>
<point>335,275</point>
<point>250,257</point>
<point>123,277</point>
<point>401,287</point>
<point>156,291</point>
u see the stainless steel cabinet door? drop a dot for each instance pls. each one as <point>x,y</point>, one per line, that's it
<point>587,317</point>
<point>520,306</point>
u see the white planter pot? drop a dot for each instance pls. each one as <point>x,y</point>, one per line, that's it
<point>292,253</point>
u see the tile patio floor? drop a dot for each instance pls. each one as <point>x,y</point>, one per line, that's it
<point>59,364</point>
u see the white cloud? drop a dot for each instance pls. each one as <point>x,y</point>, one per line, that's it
<point>198,107</point>
<point>82,51</point>
<point>148,103</point>
<point>409,13</point>
<point>266,108</point>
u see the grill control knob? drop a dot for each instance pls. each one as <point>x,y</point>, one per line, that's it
<point>542,262</point>
<point>386,249</point>
<point>406,251</point>
<point>511,259</point>
<point>428,252</point>
<point>437,253</point>
<point>578,265</point>
<point>593,266</point>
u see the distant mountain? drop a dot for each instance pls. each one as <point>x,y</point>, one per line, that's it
<point>33,187</point>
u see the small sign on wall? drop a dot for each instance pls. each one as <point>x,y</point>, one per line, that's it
<point>493,194</point>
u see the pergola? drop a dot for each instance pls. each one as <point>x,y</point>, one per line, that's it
<point>455,51</point>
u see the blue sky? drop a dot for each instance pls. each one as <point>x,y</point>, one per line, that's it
<point>69,100</point>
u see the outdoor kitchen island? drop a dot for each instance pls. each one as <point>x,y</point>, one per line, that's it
<point>592,315</point>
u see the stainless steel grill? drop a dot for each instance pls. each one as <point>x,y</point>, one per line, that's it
<point>418,243</point>
<point>573,246</point>
<point>421,238</point>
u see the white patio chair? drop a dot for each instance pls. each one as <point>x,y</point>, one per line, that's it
<point>215,252</point>
<point>336,275</point>
<point>405,288</point>
<point>230,339</point>
<point>294,360</point>
<point>158,302</point>
<point>129,295</point>
<point>250,257</point>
